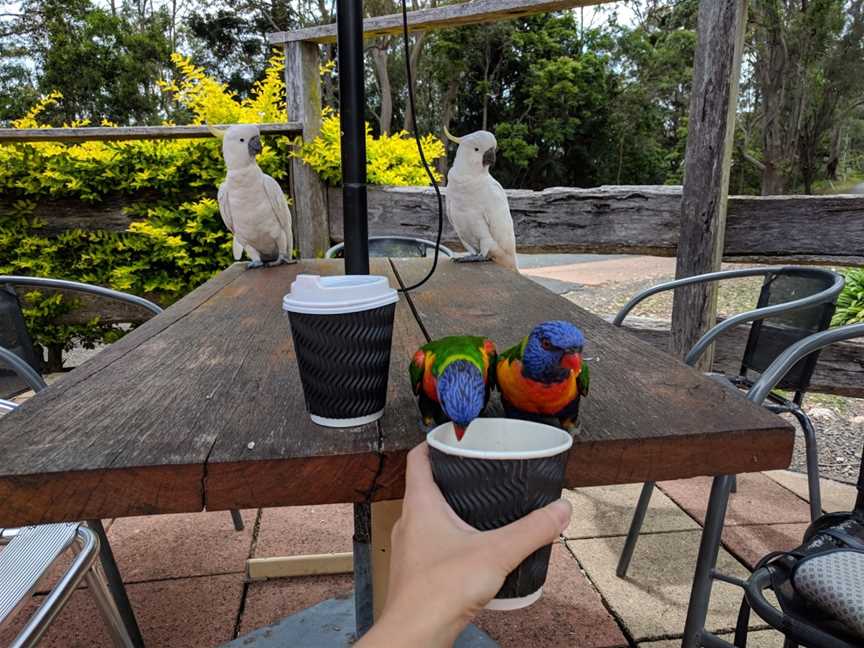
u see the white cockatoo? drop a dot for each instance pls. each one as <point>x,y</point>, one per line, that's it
<point>477,204</point>
<point>251,202</point>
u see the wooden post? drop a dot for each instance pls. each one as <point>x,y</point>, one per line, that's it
<point>303,89</point>
<point>384,516</point>
<point>713,101</point>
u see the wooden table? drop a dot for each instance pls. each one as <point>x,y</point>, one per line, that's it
<point>202,407</point>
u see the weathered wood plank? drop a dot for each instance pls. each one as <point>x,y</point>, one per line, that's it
<point>303,102</point>
<point>639,220</point>
<point>83,447</point>
<point>454,15</point>
<point>710,129</point>
<point>115,133</point>
<point>648,415</point>
<point>88,307</point>
<point>840,369</point>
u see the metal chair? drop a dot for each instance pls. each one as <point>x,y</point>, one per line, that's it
<point>15,337</point>
<point>393,246</point>
<point>794,303</point>
<point>29,553</point>
<point>796,627</point>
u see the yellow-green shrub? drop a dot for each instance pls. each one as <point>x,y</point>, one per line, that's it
<point>179,240</point>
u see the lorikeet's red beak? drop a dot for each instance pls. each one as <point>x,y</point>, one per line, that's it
<point>572,361</point>
<point>459,430</point>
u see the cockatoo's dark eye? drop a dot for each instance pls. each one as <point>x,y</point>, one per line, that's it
<point>477,150</point>
<point>242,140</point>
<point>546,344</point>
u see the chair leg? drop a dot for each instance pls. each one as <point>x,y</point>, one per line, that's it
<point>709,547</point>
<point>635,527</point>
<point>734,487</point>
<point>237,519</point>
<point>115,584</point>
<point>812,462</point>
<point>98,587</point>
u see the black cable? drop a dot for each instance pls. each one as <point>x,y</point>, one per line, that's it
<point>420,150</point>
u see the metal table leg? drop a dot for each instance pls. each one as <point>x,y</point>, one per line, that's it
<point>709,547</point>
<point>115,583</point>
<point>363,610</point>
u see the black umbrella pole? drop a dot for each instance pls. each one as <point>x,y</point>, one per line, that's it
<point>352,104</point>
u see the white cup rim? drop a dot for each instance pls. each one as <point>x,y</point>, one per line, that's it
<point>528,440</point>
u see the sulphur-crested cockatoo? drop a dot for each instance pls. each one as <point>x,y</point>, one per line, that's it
<point>477,204</point>
<point>251,202</point>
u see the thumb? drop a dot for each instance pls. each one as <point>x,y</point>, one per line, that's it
<point>514,542</point>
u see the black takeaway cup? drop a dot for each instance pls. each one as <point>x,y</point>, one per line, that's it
<point>499,472</point>
<point>342,328</point>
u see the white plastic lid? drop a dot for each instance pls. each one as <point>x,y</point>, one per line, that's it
<point>316,295</point>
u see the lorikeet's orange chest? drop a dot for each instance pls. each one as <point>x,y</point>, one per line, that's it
<point>430,384</point>
<point>531,396</point>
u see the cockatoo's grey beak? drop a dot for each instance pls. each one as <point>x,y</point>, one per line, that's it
<point>489,157</point>
<point>254,146</point>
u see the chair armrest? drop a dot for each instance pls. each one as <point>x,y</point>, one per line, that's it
<point>24,370</point>
<point>687,281</point>
<point>791,356</point>
<point>42,282</point>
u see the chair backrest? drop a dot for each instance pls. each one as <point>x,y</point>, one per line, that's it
<point>769,337</point>
<point>14,337</point>
<point>394,246</point>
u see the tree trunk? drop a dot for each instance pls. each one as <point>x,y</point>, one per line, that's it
<point>414,61</point>
<point>380,56</point>
<point>448,103</point>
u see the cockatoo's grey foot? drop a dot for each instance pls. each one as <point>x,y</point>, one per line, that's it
<point>472,258</point>
<point>279,261</point>
<point>255,264</point>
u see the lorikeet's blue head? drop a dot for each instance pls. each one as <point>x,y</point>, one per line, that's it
<point>462,394</point>
<point>552,351</point>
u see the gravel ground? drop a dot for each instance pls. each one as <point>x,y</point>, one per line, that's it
<point>839,421</point>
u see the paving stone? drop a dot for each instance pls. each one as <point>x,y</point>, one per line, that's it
<point>759,500</point>
<point>751,543</point>
<point>297,530</point>
<point>756,639</point>
<point>836,496</point>
<point>196,612</point>
<point>607,511</point>
<point>174,546</point>
<point>570,613</point>
<point>652,600</point>
<point>269,601</point>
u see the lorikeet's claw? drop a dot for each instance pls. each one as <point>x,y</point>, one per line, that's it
<point>427,424</point>
<point>280,260</point>
<point>471,258</point>
<point>255,264</point>
<point>573,426</point>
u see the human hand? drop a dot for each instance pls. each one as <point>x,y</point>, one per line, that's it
<point>442,570</point>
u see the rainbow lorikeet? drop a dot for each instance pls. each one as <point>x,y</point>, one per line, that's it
<point>452,378</point>
<point>544,376</point>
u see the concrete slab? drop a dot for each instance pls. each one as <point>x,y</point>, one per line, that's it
<point>176,546</point>
<point>607,510</point>
<point>759,500</point>
<point>570,613</point>
<point>836,496</point>
<point>751,543</point>
<point>296,530</point>
<point>757,639</point>
<point>183,612</point>
<point>268,602</point>
<point>652,600</point>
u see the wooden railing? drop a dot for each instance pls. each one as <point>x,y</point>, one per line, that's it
<point>113,133</point>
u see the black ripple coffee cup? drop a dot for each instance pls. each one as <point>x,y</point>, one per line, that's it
<point>499,472</point>
<point>342,328</point>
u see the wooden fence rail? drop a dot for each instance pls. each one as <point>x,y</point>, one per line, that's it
<point>114,133</point>
<point>826,230</point>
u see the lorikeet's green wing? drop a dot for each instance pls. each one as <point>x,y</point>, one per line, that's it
<point>583,379</point>
<point>415,370</point>
<point>514,352</point>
